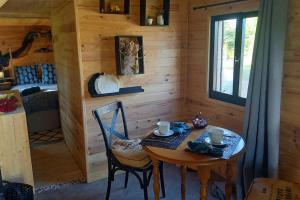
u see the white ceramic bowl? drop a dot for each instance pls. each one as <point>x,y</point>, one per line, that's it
<point>216,135</point>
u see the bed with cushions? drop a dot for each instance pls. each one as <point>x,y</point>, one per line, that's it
<point>47,87</point>
<point>38,87</point>
<point>35,76</point>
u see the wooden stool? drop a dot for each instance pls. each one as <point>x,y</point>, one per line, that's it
<point>271,189</point>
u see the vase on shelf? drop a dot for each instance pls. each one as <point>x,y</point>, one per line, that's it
<point>160,19</point>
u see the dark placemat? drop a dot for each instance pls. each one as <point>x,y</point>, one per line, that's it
<point>171,142</point>
<point>231,142</point>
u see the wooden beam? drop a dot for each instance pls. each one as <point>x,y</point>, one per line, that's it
<point>217,4</point>
<point>7,21</point>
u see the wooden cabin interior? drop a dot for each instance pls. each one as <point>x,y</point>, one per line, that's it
<point>193,77</point>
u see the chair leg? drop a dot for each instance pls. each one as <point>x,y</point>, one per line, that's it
<point>162,181</point>
<point>126,179</point>
<point>109,180</point>
<point>145,181</point>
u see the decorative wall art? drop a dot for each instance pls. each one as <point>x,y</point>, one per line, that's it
<point>154,12</point>
<point>115,7</point>
<point>129,55</point>
<point>23,50</point>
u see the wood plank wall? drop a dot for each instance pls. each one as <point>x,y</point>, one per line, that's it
<point>11,37</point>
<point>163,81</point>
<point>67,59</point>
<point>15,158</point>
<point>289,164</point>
<point>219,113</point>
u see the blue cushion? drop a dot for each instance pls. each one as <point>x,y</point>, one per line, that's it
<point>30,91</point>
<point>26,75</point>
<point>48,74</point>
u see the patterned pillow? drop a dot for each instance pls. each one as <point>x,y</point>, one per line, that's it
<point>26,75</point>
<point>48,74</point>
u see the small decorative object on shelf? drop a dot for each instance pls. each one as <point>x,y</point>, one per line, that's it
<point>129,55</point>
<point>115,7</point>
<point>160,19</point>
<point>8,103</point>
<point>160,9</point>
<point>1,74</point>
<point>199,121</point>
<point>149,20</point>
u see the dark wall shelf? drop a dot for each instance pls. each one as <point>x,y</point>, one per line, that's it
<point>122,91</point>
<point>145,4</point>
<point>104,7</point>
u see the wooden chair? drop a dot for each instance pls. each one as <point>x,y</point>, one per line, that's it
<point>114,164</point>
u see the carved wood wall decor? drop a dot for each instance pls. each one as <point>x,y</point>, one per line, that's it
<point>23,50</point>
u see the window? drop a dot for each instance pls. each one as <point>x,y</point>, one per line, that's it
<point>231,49</point>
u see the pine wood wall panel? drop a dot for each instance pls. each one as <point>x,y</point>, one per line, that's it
<point>289,164</point>
<point>4,21</point>
<point>15,158</point>
<point>163,81</point>
<point>219,113</point>
<point>67,59</point>
<point>29,8</point>
<point>11,37</point>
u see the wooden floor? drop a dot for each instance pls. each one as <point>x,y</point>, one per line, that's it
<point>53,164</point>
<point>97,190</point>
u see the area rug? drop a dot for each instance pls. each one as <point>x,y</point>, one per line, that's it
<point>46,137</point>
<point>58,186</point>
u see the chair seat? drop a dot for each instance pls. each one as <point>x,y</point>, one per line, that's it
<point>130,153</point>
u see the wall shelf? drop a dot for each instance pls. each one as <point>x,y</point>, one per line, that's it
<point>152,8</point>
<point>106,5</point>
<point>122,91</point>
<point>127,90</point>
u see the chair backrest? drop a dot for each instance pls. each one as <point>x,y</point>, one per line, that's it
<point>108,131</point>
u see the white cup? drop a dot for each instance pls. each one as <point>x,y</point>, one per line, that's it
<point>163,127</point>
<point>216,135</point>
<point>149,21</point>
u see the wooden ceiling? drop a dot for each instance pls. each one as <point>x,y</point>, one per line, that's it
<point>29,8</point>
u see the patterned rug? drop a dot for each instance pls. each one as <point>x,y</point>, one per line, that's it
<point>46,137</point>
<point>58,186</point>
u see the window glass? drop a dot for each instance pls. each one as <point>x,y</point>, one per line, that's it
<point>232,44</point>
<point>225,32</point>
<point>248,37</point>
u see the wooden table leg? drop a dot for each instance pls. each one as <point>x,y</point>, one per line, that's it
<point>183,181</point>
<point>204,175</point>
<point>229,174</point>
<point>156,187</point>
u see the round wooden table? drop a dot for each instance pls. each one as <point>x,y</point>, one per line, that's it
<point>203,163</point>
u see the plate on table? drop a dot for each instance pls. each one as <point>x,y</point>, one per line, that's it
<point>222,144</point>
<point>157,133</point>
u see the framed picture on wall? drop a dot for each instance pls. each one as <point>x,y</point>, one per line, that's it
<point>129,55</point>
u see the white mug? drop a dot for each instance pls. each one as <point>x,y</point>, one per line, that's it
<point>216,135</point>
<point>149,21</point>
<point>163,127</point>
